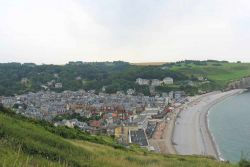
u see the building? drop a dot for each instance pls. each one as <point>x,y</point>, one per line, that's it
<point>78,78</point>
<point>103,89</point>
<point>56,75</point>
<point>171,95</point>
<point>200,78</point>
<point>130,91</point>
<point>179,94</point>
<point>149,112</point>
<point>51,83</point>
<point>191,83</point>
<point>156,82</point>
<point>58,85</point>
<point>141,81</point>
<point>68,123</point>
<point>44,87</point>
<point>138,137</point>
<point>168,81</point>
<point>141,122</point>
<point>95,124</point>
<point>122,134</point>
<point>24,81</point>
<point>8,102</point>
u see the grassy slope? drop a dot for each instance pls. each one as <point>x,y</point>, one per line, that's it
<point>222,74</point>
<point>23,143</point>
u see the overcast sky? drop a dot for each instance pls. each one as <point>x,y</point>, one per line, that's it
<point>58,31</point>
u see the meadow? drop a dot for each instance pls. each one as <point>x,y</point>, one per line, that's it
<point>222,73</point>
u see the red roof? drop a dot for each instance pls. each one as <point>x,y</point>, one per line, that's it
<point>114,115</point>
<point>95,123</point>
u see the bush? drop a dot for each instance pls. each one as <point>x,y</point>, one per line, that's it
<point>1,132</point>
<point>244,163</point>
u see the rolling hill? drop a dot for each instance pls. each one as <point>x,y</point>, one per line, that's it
<point>17,78</point>
<point>222,73</point>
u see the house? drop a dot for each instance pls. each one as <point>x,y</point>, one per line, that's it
<point>167,100</point>
<point>156,82</point>
<point>119,93</point>
<point>122,134</point>
<point>190,83</point>
<point>68,123</point>
<point>152,90</point>
<point>86,114</point>
<point>130,91</point>
<point>95,124</point>
<point>78,78</point>
<point>44,87</point>
<point>171,95</point>
<point>58,85</point>
<point>200,78</point>
<point>141,81</point>
<point>103,89</point>
<point>138,137</point>
<point>8,101</point>
<point>56,75</point>
<point>51,83</point>
<point>24,81</point>
<point>179,94</point>
<point>149,112</point>
<point>168,81</point>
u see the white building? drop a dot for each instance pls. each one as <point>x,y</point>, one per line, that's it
<point>156,82</point>
<point>141,121</point>
<point>141,81</point>
<point>149,112</point>
<point>168,81</point>
<point>179,94</point>
<point>78,78</point>
<point>191,83</point>
<point>58,85</point>
<point>171,95</point>
<point>200,78</point>
<point>130,91</point>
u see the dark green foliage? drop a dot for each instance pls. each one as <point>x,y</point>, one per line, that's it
<point>244,163</point>
<point>75,116</point>
<point>115,76</point>
<point>1,131</point>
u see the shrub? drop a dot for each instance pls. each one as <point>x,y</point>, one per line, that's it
<point>244,163</point>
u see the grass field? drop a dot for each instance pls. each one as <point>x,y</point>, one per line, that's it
<point>221,73</point>
<point>25,143</point>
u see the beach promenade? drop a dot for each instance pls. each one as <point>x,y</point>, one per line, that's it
<point>191,135</point>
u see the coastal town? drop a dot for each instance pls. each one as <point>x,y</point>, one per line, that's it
<point>128,116</point>
<point>165,122</point>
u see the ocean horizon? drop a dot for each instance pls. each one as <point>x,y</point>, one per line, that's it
<point>229,123</point>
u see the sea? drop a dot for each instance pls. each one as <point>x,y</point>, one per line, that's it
<point>229,123</point>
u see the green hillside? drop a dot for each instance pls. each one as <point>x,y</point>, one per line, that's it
<point>25,142</point>
<point>16,78</point>
<point>219,72</point>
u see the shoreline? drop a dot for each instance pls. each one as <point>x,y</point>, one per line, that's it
<point>212,138</point>
<point>191,133</point>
